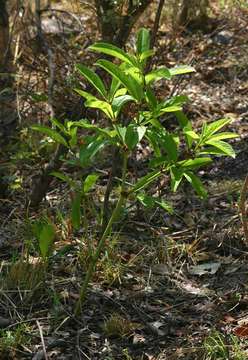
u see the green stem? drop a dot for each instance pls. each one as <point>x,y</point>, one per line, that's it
<point>100,246</point>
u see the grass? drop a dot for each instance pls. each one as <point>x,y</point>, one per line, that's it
<point>118,327</point>
<point>220,347</point>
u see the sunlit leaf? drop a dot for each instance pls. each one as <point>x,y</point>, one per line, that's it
<point>195,163</point>
<point>143,41</point>
<point>93,79</point>
<point>181,70</point>
<point>46,239</point>
<point>114,51</point>
<point>226,148</point>
<point>134,88</point>
<point>53,134</point>
<point>158,74</point>
<point>146,180</point>
<point>89,182</point>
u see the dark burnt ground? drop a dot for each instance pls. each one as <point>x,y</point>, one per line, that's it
<point>161,304</point>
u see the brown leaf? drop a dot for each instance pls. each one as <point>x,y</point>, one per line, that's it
<point>241,331</point>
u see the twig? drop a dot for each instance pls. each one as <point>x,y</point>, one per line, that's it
<point>242,208</point>
<point>42,340</point>
<point>157,22</point>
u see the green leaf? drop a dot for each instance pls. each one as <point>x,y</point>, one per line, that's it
<point>150,202</point>
<point>210,150</point>
<point>195,163</point>
<point>46,239</point>
<point>223,136</point>
<point>76,211</point>
<point>176,177</point>
<point>73,135</point>
<point>146,54</point>
<point>134,135</point>
<point>169,109</point>
<point>170,145</point>
<point>87,153</point>
<point>93,102</point>
<point>191,134</point>
<point>135,73</point>
<point>89,182</point>
<point>165,205</point>
<point>101,105</point>
<point>53,134</point>
<point>146,180</point>
<point>114,51</point>
<point>115,84</point>
<point>143,41</point>
<point>158,74</point>
<point>133,87</point>
<point>59,175</point>
<point>60,126</point>
<point>85,94</point>
<point>153,141</point>
<point>181,70</point>
<point>119,102</point>
<point>196,183</point>
<point>151,98</point>
<point>178,100</point>
<point>209,129</point>
<point>93,78</point>
<point>146,200</point>
<point>120,92</point>
<point>121,131</point>
<point>86,125</point>
<point>226,148</point>
<point>37,97</point>
<point>185,125</point>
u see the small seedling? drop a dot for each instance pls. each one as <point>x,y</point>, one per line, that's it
<point>178,154</point>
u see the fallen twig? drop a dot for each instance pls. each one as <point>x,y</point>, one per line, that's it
<point>243,210</point>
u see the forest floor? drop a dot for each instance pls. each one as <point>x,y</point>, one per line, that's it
<point>170,286</point>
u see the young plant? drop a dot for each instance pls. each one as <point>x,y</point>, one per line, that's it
<point>131,84</point>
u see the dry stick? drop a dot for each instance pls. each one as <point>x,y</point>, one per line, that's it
<point>242,208</point>
<point>40,187</point>
<point>157,22</point>
<point>42,340</point>
<point>155,31</point>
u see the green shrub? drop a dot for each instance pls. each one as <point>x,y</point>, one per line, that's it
<point>131,84</point>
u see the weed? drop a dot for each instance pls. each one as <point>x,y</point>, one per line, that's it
<point>11,340</point>
<point>27,278</point>
<point>219,347</point>
<point>117,326</point>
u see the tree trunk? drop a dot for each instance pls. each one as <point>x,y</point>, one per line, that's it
<point>193,14</point>
<point>116,27</point>
<point>7,96</point>
<point>4,34</point>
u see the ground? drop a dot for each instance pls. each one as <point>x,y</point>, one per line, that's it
<point>170,287</point>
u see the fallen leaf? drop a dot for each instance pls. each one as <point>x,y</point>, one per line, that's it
<point>241,331</point>
<point>208,268</point>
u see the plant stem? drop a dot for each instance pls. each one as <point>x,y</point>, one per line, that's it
<point>100,246</point>
<point>243,210</point>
